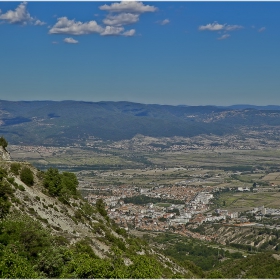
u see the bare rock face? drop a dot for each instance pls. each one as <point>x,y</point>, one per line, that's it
<point>4,154</point>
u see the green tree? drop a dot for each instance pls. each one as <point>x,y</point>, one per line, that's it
<point>84,266</point>
<point>30,235</point>
<point>3,142</point>
<point>15,167</point>
<point>26,176</point>
<point>215,274</point>
<point>69,182</point>
<point>144,267</point>
<point>3,173</point>
<point>52,181</point>
<point>12,265</point>
<point>62,185</point>
<point>51,261</point>
<point>100,206</point>
<point>4,207</point>
<point>5,192</point>
<point>68,186</point>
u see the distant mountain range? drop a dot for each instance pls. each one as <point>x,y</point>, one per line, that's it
<point>65,122</point>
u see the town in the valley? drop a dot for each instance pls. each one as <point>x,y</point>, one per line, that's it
<point>171,191</point>
<point>179,208</point>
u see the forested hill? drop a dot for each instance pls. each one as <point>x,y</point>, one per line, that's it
<point>50,122</point>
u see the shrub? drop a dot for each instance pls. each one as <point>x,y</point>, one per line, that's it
<point>100,205</point>
<point>63,186</point>
<point>3,142</point>
<point>11,180</point>
<point>52,181</point>
<point>20,187</point>
<point>12,265</point>
<point>3,173</point>
<point>26,176</point>
<point>15,167</point>
<point>5,192</point>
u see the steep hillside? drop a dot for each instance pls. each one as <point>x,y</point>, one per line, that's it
<point>47,230</point>
<point>247,238</point>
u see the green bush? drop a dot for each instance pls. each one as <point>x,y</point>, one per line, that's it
<point>3,173</point>
<point>52,181</point>
<point>5,192</point>
<point>30,236</point>
<point>100,206</point>
<point>11,180</point>
<point>12,265</point>
<point>64,186</point>
<point>26,176</point>
<point>144,267</point>
<point>3,142</point>
<point>121,231</point>
<point>20,187</point>
<point>4,207</point>
<point>15,167</point>
<point>51,261</point>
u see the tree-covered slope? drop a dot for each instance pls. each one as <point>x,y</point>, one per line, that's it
<point>258,266</point>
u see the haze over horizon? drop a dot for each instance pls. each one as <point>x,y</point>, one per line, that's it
<point>171,53</point>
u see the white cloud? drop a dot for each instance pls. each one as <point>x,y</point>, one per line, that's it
<point>165,21</point>
<point>232,27</point>
<point>223,37</point>
<point>112,30</point>
<point>66,26</point>
<point>19,16</point>
<point>129,7</point>
<point>121,19</point>
<point>215,26</point>
<point>129,33</point>
<point>211,27</point>
<point>262,29</point>
<point>39,22</point>
<point>70,41</point>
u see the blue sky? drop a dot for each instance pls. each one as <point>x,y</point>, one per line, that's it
<point>192,53</point>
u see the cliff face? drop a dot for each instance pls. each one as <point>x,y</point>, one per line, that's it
<point>4,154</point>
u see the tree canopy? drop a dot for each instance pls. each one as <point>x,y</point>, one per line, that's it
<point>62,185</point>
<point>26,176</point>
<point>3,142</point>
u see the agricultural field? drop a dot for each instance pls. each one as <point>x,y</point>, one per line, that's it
<point>69,158</point>
<point>242,201</point>
<point>106,166</point>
